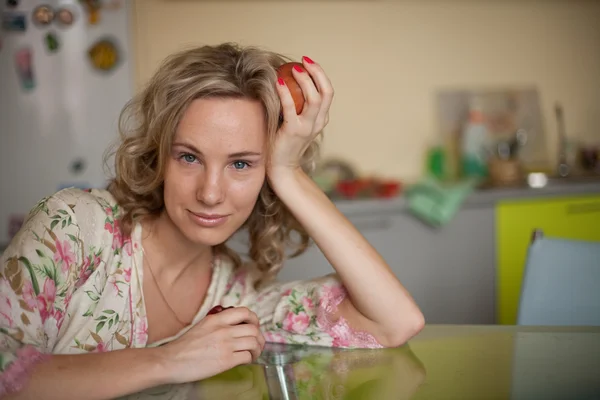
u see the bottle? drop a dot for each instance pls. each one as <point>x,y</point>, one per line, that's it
<point>473,144</point>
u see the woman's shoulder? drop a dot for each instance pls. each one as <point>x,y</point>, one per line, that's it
<point>81,202</point>
<point>89,210</point>
<point>86,197</point>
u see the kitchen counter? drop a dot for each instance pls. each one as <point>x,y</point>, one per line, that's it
<point>481,197</point>
<point>442,362</point>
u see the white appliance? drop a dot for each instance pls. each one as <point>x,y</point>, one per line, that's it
<point>58,117</point>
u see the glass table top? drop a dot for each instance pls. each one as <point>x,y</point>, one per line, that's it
<point>442,362</point>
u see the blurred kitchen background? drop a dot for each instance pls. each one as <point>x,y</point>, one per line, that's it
<point>458,128</point>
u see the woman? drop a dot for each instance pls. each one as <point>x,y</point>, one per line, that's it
<point>116,285</point>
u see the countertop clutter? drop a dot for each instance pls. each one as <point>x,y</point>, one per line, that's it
<point>340,181</point>
<point>484,195</point>
<point>492,147</point>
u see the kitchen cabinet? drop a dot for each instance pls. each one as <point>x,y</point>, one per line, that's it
<point>570,217</point>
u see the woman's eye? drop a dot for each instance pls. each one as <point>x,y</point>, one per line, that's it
<point>240,164</point>
<point>188,158</point>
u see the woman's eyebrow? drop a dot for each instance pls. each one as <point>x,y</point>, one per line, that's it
<point>232,155</point>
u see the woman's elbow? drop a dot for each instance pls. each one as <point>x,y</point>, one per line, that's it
<point>407,328</point>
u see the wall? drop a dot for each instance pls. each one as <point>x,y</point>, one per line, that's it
<point>387,58</point>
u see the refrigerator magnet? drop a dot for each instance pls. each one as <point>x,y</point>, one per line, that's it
<point>65,17</point>
<point>24,65</point>
<point>51,42</point>
<point>12,3</point>
<point>93,10</point>
<point>42,15</point>
<point>77,166</point>
<point>14,22</point>
<point>104,55</point>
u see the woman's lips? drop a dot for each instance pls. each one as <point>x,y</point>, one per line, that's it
<point>208,220</point>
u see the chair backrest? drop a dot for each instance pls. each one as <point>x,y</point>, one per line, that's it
<point>561,283</point>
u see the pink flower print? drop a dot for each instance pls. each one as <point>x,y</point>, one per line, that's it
<point>341,334</point>
<point>238,282</point>
<point>108,211</point>
<point>5,304</point>
<point>64,255</point>
<point>113,281</point>
<point>127,246</point>
<point>127,275</point>
<point>142,332</point>
<point>108,227</point>
<point>84,272</point>
<point>296,323</point>
<point>307,303</point>
<point>332,296</point>
<point>273,337</point>
<point>46,299</point>
<point>68,299</point>
<point>120,241</point>
<point>29,295</point>
<point>287,292</point>
<point>58,317</point>
<point>101,348</point>
<point>117,240</point>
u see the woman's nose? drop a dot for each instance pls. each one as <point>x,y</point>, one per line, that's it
<point>211,191</point>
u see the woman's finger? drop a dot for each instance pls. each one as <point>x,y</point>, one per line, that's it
<point>248,343</point>
<point>325,88</point>
<point>287,102</point>
<point>319,77</point>
<point>245,330</point>
<point>252,330</point>
<point>237,315</point>
<point>312,96</point>
<point>242,357</point>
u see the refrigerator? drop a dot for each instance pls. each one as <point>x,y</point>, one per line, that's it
<point>65,75</point>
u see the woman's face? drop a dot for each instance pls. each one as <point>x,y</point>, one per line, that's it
<point>216,168</point>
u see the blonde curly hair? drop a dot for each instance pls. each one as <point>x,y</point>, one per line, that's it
<point>148,124</point>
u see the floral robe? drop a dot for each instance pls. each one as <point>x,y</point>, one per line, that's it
<point>71,283</point>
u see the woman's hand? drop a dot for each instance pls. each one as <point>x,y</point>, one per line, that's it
<point>217,343</point>
<point>298,131</point>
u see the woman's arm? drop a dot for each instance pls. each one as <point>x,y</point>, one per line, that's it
<point>94,376</point>
<point>377,303</point>
<point>216,344</point>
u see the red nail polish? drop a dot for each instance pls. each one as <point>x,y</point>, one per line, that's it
<point>308,60</point>
<point>298,68</point>
<point>281,81</point>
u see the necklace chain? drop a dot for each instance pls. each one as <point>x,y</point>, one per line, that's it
<point>160,290</point>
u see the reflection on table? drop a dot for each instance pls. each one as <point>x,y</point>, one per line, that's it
<point>308,372</point>
<point>443,362</point>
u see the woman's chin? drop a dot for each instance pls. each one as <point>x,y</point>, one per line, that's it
<point>208,237</point>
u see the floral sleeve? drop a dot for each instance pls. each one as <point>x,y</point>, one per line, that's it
<point>37,273</point>
<point>302,312</point>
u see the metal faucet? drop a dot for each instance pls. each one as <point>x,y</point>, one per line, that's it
<point>563,168</point>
